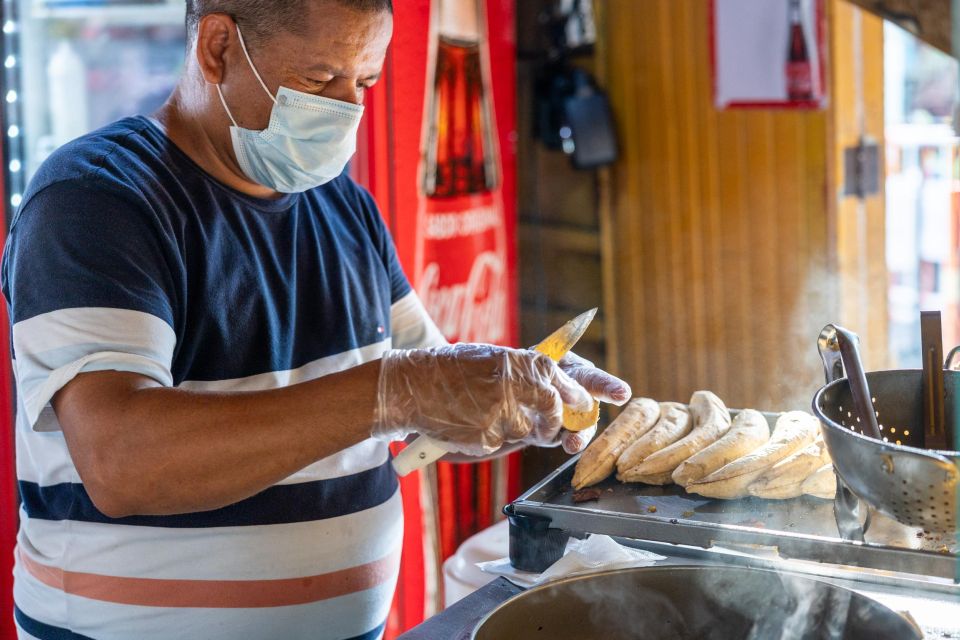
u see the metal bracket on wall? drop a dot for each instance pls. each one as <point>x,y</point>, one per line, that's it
<point>861,169</point>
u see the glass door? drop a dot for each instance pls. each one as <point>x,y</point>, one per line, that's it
<point>922,191</point>
<point>72,66</point>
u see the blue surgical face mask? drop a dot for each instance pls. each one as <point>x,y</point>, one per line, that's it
<point>307,143</point>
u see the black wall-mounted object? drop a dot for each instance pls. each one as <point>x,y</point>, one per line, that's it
<point>588,133</point>
<point>573,115</point>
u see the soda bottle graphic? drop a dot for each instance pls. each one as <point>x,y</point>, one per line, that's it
<point>461,257</point>
<point>799,69</point>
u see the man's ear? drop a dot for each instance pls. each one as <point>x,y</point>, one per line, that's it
<point>215,33</point>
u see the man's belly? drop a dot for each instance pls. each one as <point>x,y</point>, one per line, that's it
<point>293,575</point>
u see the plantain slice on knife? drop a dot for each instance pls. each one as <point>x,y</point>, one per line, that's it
<point>794,431</point>
<point>784,479</point>
<point>556,346</point>
<point>711,420</point>
<point>574,420</point>
<point>600,458</point>
<point>748,432</point>
<point>675,422</point>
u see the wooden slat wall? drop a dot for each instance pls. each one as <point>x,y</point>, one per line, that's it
<point>559,231</point>
<point>558,239</point>
<point>860,224</point>
<point>721,237</point>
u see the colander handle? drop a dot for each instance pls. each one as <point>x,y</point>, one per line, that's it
<point>829,349</point>
<point>838,344</point>
<point>953,361</point>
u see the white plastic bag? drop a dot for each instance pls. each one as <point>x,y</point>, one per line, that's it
<point>596,553</point>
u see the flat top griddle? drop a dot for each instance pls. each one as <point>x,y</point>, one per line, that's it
<point>801,528</point>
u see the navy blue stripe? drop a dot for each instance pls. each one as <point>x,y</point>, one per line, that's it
<point>42,630</point>
<point>280,504</point>
<point>249,286</point>
<point>373,634</point>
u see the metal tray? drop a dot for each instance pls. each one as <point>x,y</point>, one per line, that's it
<point>797,529</point>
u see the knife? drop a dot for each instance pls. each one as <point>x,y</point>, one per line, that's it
<point>424,450</point>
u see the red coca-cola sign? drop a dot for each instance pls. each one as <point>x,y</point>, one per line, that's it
<point>462,276</point>
<point>436,149</point>
<point>461,254</point>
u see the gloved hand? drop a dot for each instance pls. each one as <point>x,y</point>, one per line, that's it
<point>601,385</point>
<point>474,397</point>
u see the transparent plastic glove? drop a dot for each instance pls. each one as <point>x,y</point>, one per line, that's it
<point>601,385</point>
<point>474,398</point>
<point>576,441</point>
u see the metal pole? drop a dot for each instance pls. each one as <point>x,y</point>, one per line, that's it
<point>955,21</point>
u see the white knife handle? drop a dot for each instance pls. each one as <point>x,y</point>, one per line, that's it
<point>417,455</point>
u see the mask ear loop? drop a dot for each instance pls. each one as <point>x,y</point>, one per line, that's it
<point>243,45</point>
<point>225,107</point>
<point>256,74</point>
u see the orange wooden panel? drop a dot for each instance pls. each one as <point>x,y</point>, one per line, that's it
<point>726,240</point>
<point>857,114</point>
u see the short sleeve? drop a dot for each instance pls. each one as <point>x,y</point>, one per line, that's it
<point>399,284</point>
<point>88,278</point>
<point>411,325</point>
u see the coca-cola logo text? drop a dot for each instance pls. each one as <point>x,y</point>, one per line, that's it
<point>443,226</point>
<point>471,311</point>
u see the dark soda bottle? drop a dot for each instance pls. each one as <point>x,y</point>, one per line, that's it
<point>799,69</point>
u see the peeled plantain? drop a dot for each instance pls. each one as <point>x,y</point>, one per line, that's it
<point>748,432</point>
<point>793,431</point>
<point>656,479</point>
<point>675,422</point>
<point>711,420</point>
<point>784,479</point>
<point>822,483</point>
<point>600,458</point>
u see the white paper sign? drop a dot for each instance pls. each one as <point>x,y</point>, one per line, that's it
<point>768,53</point>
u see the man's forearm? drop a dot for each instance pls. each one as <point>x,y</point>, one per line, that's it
<point>143,449</point>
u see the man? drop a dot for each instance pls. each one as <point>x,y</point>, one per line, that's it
<point>204,311</point>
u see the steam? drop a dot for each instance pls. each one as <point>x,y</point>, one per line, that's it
<point>657,617</point>
<point>793,370</point>
<point>702,603</point>
<point>760,349</point>
<point>718,604</point>
<point>814,612</point>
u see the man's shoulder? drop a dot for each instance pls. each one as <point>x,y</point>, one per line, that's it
<point>350,199</point>
<point>118,155</point>
<point>343,186</point>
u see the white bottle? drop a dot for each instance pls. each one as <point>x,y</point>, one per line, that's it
<point>67,88</point>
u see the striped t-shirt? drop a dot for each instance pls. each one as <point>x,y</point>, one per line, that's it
<point>125,255</point>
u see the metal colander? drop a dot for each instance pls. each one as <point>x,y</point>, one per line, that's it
<point>892,473</point>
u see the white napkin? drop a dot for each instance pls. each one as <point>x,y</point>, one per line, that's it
<point>596,553</point>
